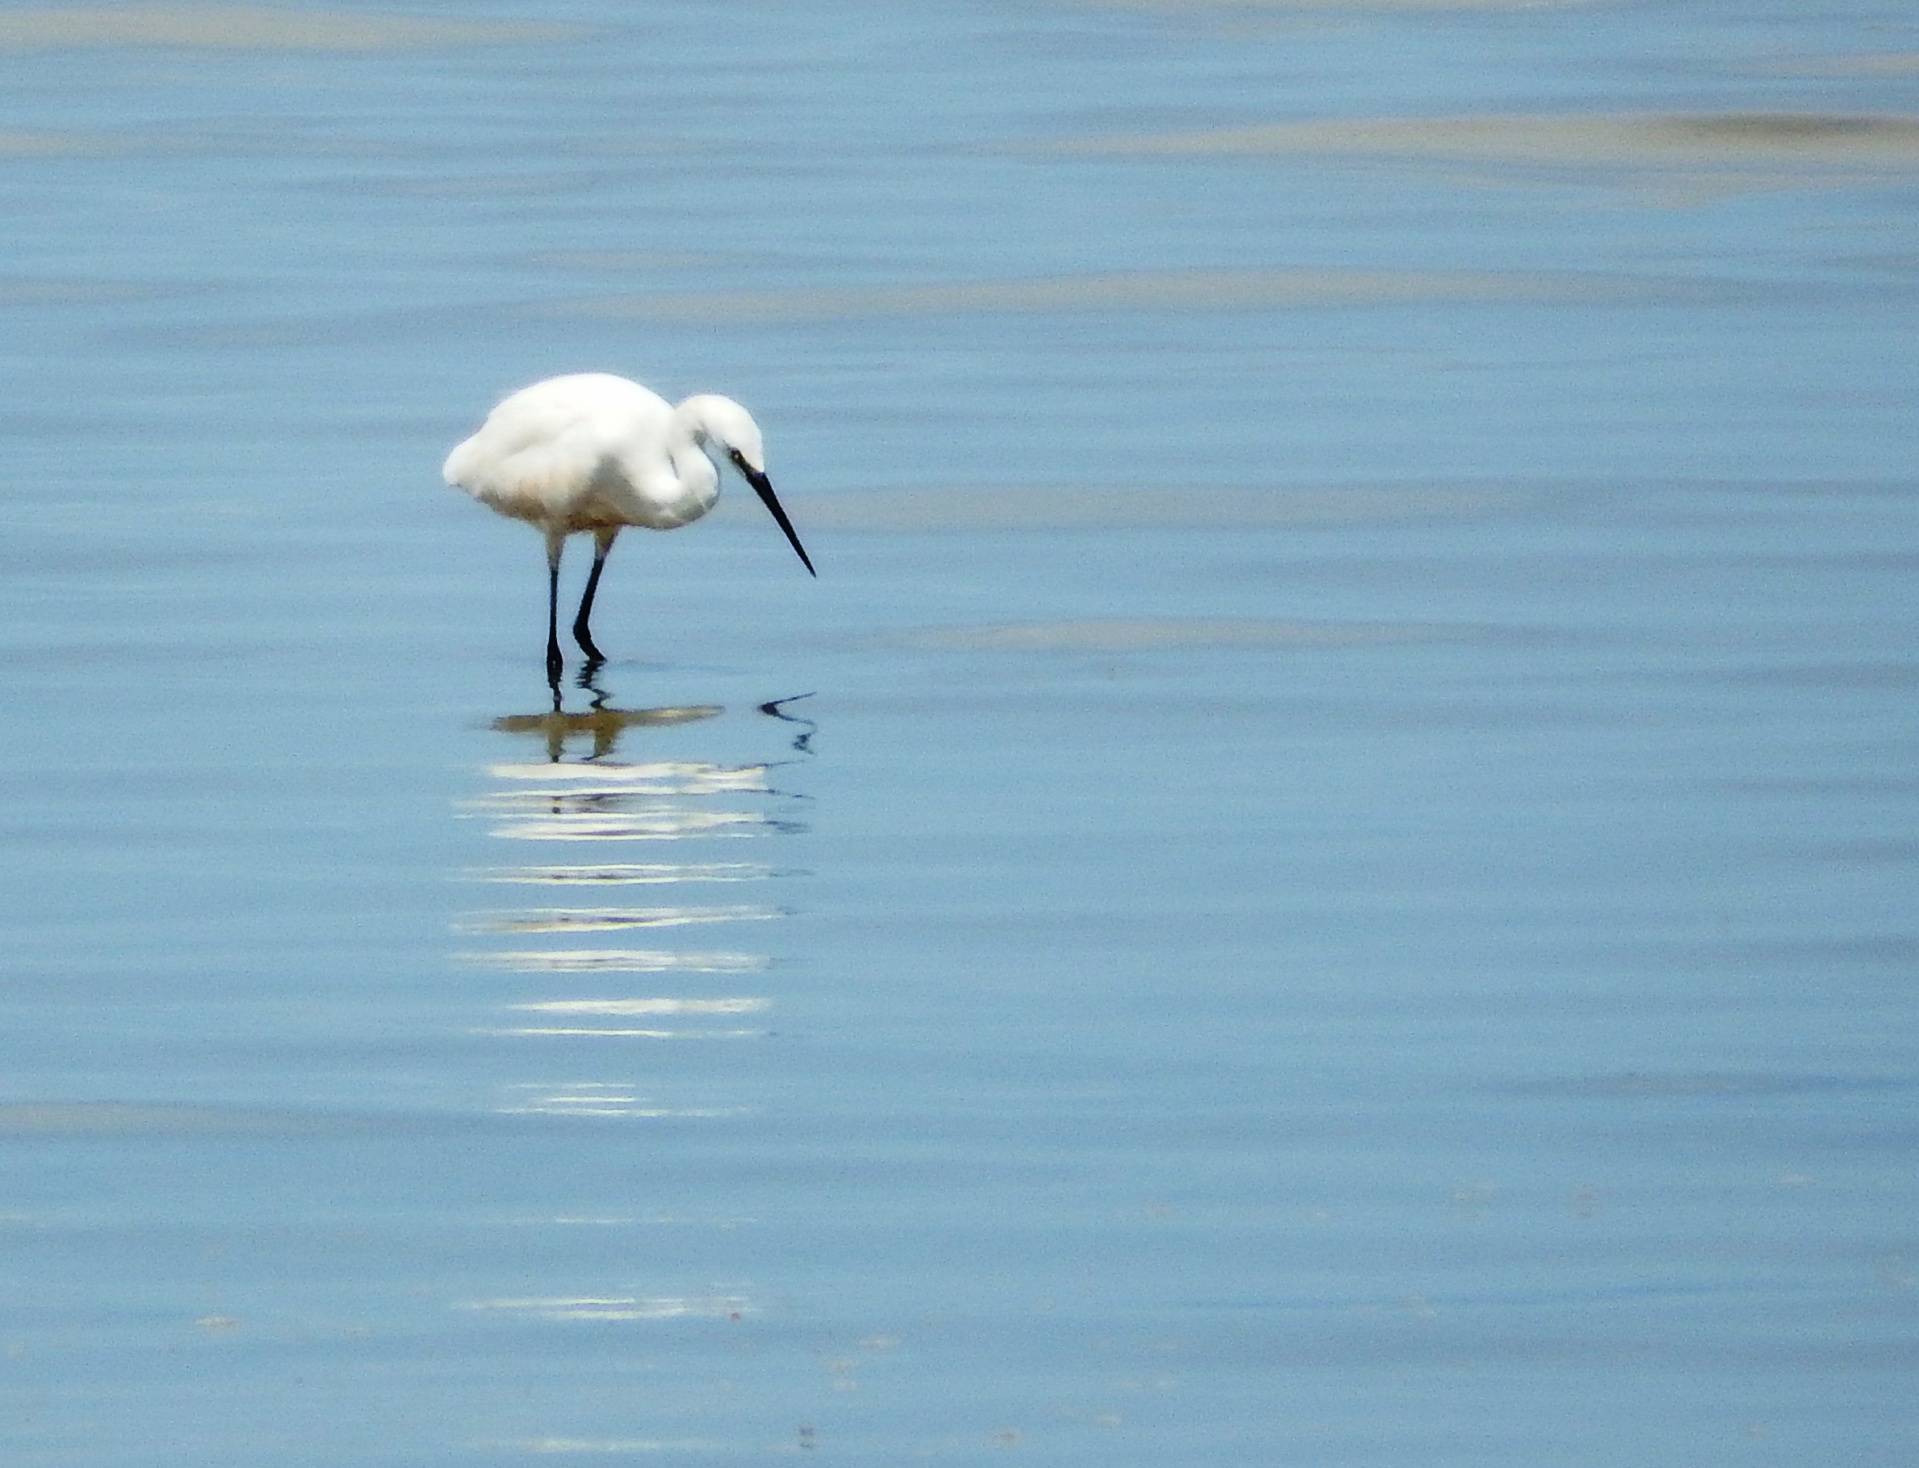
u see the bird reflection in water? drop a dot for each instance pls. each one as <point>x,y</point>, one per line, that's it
<point>776,708</point>
<point>597,722</point>
<point>602,725</point>
<point>595,992</point>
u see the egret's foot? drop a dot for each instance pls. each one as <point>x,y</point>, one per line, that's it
<point>555,664</point>
<point>585,640</point>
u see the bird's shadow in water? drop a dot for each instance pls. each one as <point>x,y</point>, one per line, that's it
<point>602,725</point>
<point>776,708</point>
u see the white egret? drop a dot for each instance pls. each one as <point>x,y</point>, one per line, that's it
<point>596,453</point>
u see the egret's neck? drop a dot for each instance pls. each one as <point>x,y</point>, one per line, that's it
<point>693,469</point>
<point>698,479</point>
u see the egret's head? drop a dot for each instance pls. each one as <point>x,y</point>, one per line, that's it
<point>724,424</point>
<point>729,427</point>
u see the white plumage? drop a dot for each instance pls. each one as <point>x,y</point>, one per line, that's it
<point>596,453</point>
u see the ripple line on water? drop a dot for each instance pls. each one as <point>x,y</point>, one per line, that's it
<point>617,961</point>
<point>614,874</point>
<point>610,920</point>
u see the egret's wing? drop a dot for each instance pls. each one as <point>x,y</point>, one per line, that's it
<point>544,449</point>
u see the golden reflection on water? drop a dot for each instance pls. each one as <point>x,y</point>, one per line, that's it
<point>602,725</point>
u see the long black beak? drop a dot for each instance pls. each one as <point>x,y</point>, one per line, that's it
<point>763,487</point>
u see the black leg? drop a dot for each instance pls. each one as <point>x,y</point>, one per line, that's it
<point>553,661</point>
<point>603,542</point>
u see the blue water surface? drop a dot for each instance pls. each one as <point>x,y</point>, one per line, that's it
<point>1326,874</point>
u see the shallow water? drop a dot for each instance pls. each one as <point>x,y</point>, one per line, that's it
<point>1326,874</point>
